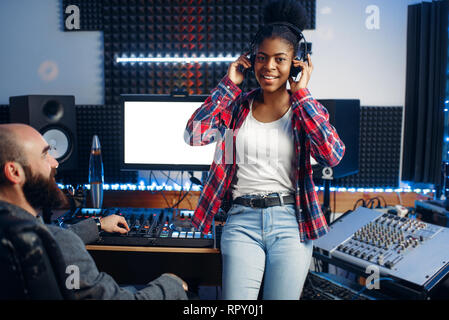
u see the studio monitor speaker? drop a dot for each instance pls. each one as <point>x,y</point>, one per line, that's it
<point>55,118</point>
<point>344,116</point>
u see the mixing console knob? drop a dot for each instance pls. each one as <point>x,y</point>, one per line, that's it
<point>380,260</point>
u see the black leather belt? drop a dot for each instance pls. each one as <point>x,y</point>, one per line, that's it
<point>264,201</point>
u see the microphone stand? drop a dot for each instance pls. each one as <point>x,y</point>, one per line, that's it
<point>327,177</point>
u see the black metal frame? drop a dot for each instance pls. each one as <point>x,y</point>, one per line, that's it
<point>404,289</point>
<point>160,166</point>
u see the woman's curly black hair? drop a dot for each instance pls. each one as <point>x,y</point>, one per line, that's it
<point>286,11</point>
<point>290,11</point>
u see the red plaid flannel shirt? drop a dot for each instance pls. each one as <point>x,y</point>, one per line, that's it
<point>223,113</point>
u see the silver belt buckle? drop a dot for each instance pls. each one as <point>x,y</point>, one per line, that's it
<point>262,198</point>
<point>251,204</point>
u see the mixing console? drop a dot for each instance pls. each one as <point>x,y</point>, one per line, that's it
<point>386,240</point>
<point>403,248</point>
<point>148,227</point>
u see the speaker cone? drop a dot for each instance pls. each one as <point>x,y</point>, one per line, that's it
<point>59,142</point>
<point>53,110</point>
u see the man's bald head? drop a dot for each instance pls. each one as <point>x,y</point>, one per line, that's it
<point>11,145</point>
<point>25,160</point>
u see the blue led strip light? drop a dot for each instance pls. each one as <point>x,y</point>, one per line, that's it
<point>176,187</point>
<point>200,59</point>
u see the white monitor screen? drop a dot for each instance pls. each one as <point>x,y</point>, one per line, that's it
<point>153,134</point>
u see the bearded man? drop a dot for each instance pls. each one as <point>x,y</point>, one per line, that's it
<point>27,184</point>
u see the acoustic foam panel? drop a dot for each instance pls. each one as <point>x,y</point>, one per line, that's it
<point>379,159</point>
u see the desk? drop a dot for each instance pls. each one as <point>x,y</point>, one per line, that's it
<point>140,265</point>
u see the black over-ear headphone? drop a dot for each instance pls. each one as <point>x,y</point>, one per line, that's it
<point>300,55</point>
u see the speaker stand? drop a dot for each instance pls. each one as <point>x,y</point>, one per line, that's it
<point>326,211</point>
<point>326,201</point>
<point>327,176</point>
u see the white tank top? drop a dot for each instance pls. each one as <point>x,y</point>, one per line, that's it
<point>264,154</point>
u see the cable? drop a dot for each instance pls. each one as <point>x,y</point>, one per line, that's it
<point>193,181</point>
<point>385,202</point>
<point>370,203</point>
<point>170,178</point>
<point>365,287</point>
<point>355,205</point>
<point>182,184</point>
<point>160,191</point>
<point>179,201</point>
<point>309,279</point>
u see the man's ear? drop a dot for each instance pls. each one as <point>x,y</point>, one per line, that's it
<point>13,172</point>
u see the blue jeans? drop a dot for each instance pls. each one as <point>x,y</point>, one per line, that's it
<point>263,244</point>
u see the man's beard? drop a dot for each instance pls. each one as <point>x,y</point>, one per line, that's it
<point>42,192</point>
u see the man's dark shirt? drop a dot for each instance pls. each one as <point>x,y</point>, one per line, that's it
<point>95,284</point>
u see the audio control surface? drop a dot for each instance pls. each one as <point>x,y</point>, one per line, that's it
<point>404,248</point>
<point>148,227</point>
<point>387,240</point>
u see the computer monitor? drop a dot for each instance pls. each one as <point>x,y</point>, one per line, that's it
<point>153,134</point>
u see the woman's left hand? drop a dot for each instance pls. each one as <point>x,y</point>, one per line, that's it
<point>307,68</point>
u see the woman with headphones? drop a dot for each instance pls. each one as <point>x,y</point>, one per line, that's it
<point>262,169</point>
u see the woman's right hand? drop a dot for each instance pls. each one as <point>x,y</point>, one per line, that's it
<point>234,72</point>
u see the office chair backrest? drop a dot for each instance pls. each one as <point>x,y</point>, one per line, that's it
<point>31,263</point>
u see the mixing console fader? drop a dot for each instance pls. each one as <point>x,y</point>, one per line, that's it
<point>148,227</point>
<point>405,248</point>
